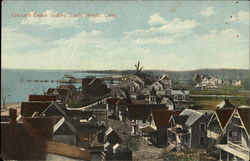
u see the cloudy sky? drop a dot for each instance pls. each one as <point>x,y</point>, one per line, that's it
<point>115,35</point>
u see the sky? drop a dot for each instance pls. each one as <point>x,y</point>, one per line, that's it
<point>173,35</point>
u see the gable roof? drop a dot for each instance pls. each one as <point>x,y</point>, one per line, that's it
<point>42,98</point>
<point>164,77</point>
<point>110,130</point>
<point>166,100</point>
<point>142,111</point>
<point>223,116</point>
<point>225,104</point>
<point>44,125</point>
<point>181,119</point>
<point>64,127</point>
<point>161,117</point>
<point>53,110</point>
<point>89,81</point>
<point>193,116</point>
<point>28,108</point>
<point>245,117</point>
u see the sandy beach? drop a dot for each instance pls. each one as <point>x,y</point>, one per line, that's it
<point>5,111</point>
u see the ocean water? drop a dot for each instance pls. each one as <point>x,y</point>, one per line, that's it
<point>16,88</point>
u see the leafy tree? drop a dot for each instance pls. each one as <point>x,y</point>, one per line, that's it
<point>197,78</point>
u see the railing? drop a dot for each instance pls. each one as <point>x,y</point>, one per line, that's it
<point>237,147</point>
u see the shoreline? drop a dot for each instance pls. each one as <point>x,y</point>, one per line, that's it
<point>5,111</point>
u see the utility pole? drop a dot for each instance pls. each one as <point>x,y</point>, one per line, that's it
<point>4,99</point>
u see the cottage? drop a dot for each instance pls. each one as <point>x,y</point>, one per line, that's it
<point>236,144</point>
<point>54,109</point>
<point>166,81</point>
<point>26,140</point>
<point>169,102</point>
<point>188,129</point>
<point>133,87</point>
<point>118,93</point>
<point>65,132</point>
<point>181,99</point>
<point>180,94</point>
<point>137,80</point>
<point>116,107</point>
<point>161,123</point>
<point>111,136</point>
<point>94,86</point>
<point>158,86</point>
<point>117,152</point>
<point>140,116</point>
<point>218,122</point>
<point>63,94</point>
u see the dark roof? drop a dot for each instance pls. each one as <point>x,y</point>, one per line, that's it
<point>161,117</point>
<point>42,98</point>
<point>91,81</point>
<point>193,116</point>
<point>142,111</point>
<point>245,117</point>
<point>224,116</point>
<point>181,119</point>
<point>54,109</point>
<point>225,104</point>
<point>119,101</point>
<point>43,124</point>
<point>70,87</point>
<point>22,141</point>
<point>51,90</point>
<point>28,108</point>
<point>18,144</point>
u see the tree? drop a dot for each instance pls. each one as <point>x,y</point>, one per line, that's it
<point>138,68</point>
<point>197,78</point>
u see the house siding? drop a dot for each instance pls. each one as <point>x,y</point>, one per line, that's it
<point>196,133</point>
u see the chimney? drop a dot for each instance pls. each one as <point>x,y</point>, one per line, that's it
<point>13,115</point>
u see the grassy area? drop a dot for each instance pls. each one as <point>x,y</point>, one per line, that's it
<point>211,103</point>
<point>188,155</point>
<point>230,90</point>
<point>88,100</point>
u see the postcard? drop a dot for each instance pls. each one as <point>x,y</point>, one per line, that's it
<point>125,80</point>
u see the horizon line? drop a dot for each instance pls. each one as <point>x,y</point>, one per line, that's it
<point>94,70</point>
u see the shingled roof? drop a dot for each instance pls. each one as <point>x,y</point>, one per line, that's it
<point>161,117</point>
<point>245,117</point>
<point>28,108</point>
<point>181,119</point>
<point>224,115</point>
<point>43,98</point>
<point>142,111</point>
<point>193,116</point>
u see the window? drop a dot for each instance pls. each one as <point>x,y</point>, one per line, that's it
<point>202,141</point>
<point>144,121</point>
<point>202,127</point>
<point>235,137</point>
